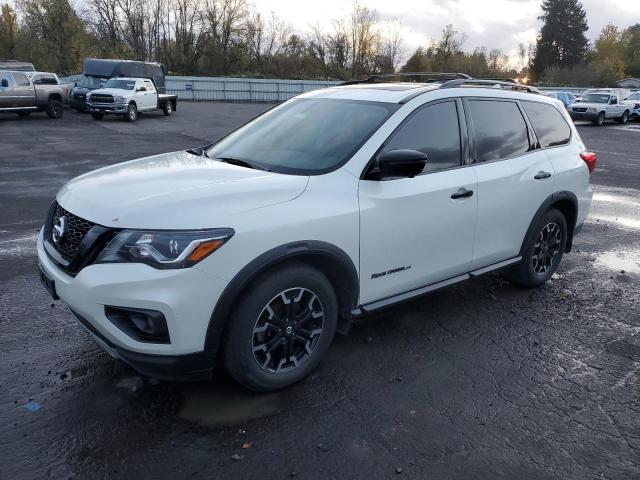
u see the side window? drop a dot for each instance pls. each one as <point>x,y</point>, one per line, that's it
<point>21,79</point>
<point>500,130</point>
<point>433,130</point>
<point>7,77</point>
<point>550,126</point>
<point>149,85</point>
<point>614,100</point>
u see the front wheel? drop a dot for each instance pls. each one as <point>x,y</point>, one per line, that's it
<point>281,328</point>
<point>599,121</point>
<point>132,113</point>
<point>55,109</point>
<point>542,252</point>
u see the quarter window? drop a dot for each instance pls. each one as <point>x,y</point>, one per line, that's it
<point>500,130</point>
<point>551,128</point>
<point>433,130</point>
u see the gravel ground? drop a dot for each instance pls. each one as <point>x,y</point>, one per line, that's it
<point>481,380</point>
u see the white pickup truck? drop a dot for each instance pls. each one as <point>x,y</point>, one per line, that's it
<point>127,97</point>
<point>600,106</point>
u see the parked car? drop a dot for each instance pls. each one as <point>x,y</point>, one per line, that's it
<point>567,98</point>
<point>19,94</point>
<point>96,72</point>
<point>17,66</point>
<point>620,92</point>
<point>633,101</point>
<point>600,106</point>
<point>256,249</point>
<point>128,96</point>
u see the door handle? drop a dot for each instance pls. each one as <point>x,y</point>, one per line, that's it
<point>541,175</point>
<point>462,193</point>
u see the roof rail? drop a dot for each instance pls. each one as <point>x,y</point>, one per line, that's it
<point>413,77</point>
<point>508,84</point>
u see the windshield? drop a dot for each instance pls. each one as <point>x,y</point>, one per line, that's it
<point>305,136</point>
<point>90,82</point>
<point>120,84</point>
<point>596,98</point>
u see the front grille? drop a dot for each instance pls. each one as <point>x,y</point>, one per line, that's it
<point>98,98</point>
<point>579,109</point>
<point>75,230</point>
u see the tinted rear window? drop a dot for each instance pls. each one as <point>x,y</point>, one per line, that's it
<point>550,127</point>
<point>500,130</point>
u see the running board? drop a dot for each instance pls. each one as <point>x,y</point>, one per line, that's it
<point>11,109</point>
<point>402,297</point>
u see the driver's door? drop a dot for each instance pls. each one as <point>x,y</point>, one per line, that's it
<point>418,231</point>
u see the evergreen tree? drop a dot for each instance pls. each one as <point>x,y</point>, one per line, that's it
<point>562,41</point>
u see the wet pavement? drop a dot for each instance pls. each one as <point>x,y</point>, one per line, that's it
<point>481,380</point>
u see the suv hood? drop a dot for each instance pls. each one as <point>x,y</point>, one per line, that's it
<point>175,191</point>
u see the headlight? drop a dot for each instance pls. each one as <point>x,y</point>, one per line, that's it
<point>164,249</point>
<point>118,99</point>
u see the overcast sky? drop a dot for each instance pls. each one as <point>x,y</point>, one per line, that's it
<point>491,23</point>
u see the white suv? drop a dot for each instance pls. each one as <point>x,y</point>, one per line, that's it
<point>256,249</point>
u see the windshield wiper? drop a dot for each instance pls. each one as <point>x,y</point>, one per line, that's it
<point>241,163</point>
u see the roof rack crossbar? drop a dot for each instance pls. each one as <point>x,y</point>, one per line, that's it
<point>487,82</point>
<point>414,77</point>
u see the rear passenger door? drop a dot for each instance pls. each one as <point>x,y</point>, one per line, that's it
<point>514,177</point>
<point>24,91</point>
<point>8,97</point>
<point>150,97</point>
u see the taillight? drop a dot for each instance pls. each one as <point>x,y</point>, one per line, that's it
<point>590,159</point>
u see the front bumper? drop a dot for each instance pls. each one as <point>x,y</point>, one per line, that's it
<point>583,115</point>
<point>186,298</point>
<point>116,108</point>
<point>78,102</point>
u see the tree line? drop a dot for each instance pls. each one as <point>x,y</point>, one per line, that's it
<point>232,38</point>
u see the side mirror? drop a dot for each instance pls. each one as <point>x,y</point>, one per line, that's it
<point>401,163</point>
<point>4,83</point>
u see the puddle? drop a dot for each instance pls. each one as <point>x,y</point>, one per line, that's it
<point>627,260</point>
<point>218,404</point>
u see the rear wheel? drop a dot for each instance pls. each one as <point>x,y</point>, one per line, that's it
<point>281,328</point>
<point>55,109</point>
<point>132,113</point>
<point>542,252</point>
<point>624,118</point>
<point>599,121</point>
<point>96,116</point>
<point>167,109</point>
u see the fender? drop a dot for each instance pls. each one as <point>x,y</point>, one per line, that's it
<point>561,196</point>
<point>335,263</point>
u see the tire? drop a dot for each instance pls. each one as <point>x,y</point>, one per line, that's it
<point>55,109</point>
<point>599,121</point>
<point>542,252</point>
<point>132,113</point>
<point>624,118</point>
<point>261,335</point>
<point>97,116</point>
<point>167,108</point>
<point>24,114</point>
